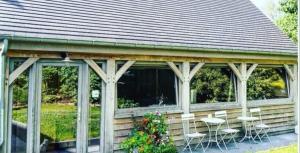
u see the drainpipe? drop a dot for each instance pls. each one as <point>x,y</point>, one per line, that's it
<point>2,83</point>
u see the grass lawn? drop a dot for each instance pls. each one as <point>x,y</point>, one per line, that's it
<point>58,121</point>
<point>287,149</point>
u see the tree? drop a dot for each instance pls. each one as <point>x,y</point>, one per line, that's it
<point>213,84</point>
<point>288,21</point>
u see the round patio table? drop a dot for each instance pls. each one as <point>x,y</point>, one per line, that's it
<point>248,125</point>
<point>210,122</point>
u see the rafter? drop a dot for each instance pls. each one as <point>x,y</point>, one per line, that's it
<point>123,69</point>
<point>250,70</point>
<point>289,71</point>
<point>176,70</point>
<point>235,71</point>
<point>195,70</point>
<point>14,75</point>
<point>97,69</point>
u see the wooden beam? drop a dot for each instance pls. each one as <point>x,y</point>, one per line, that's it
<point>108,138</point>
<point>242,88</point>
<point>176,70</point>
<point>83,106</point>
<point>236,71</point>
<point>14,75</point>
<point>164,58</point>
<point>289,71</point>
<point>32,132</point>
<point>195,70</point>
<point>97,69</point>
<point>186,87</point>
<point>250,70</point>
<point>123,69</point>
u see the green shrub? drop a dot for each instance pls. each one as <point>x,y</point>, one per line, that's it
<point>126,103</point>
<point>149,136</point>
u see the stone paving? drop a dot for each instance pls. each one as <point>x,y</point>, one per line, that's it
<point>250,147</point>
<point>244,147</point>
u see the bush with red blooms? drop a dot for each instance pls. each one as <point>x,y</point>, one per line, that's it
<point>149,136</point>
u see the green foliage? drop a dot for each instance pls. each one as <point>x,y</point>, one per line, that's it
<point>59,84</point>
<point>212,84</point>
<point>149,136</point>
<point>20,90</point>
<point>265,83</point>
<point>20,87</point>
<point>58,121</point>
<point>126,103</point>
<point>288,22</point>
<point>292,148</point>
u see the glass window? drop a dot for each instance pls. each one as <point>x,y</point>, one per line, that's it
<point>146,86</point>
<point>19,111</point>
<point>58,122</point>
<point>267,83</point>
<point>94,112</point>
<point>213,83</point>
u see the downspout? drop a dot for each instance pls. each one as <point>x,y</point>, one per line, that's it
<point>2,83</point>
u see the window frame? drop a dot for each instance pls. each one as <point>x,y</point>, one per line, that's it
<point>273,101</point>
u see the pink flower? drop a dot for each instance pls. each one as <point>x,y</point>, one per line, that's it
<point>158,113</point>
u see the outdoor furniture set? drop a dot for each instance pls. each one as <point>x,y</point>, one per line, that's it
<point>254,128</point>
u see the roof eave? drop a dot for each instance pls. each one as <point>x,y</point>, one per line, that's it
<point>145,46</point>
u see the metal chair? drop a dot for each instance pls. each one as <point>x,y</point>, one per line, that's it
<point>261,129</point>
<point>227,130</point>
<point>190,136</point>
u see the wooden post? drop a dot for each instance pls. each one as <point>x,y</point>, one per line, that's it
<point>82,139</point>
<point>109,107</point>
<point>242,88</point>
<point>103,108</point>
<point>10,109</point>
<point>294,91</point>
<point>32,131</point>
<point>5,144</point>
<point>243,75</point>
<point>186,87</point>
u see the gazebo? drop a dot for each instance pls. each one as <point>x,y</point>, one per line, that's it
<point>148,52</point>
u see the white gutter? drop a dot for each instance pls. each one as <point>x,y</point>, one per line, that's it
<point>2,82</point>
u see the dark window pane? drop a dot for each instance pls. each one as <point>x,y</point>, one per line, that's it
<point>143,86</point>
<point>267,83</point>
<point>213,84</point>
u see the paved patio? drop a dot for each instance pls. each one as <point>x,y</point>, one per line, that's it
<point>244,147</point>
<point>250,147</point>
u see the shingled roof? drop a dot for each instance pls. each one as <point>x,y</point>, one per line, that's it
<point>211,24</point>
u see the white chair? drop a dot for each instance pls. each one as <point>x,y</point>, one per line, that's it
<point>261,129</point>
<point>227,130</point>
<point>190,134</point>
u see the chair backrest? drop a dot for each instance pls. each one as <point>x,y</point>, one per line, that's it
<point>186,118</point>
<point>254,111</point>
<point>222,114</point>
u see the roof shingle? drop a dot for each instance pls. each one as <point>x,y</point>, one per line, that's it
<point>212,24</point>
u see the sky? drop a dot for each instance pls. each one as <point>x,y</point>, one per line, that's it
<point>268,7</point>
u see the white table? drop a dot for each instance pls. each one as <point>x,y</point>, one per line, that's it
<point>210,122</point>
<point>248,125</point>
